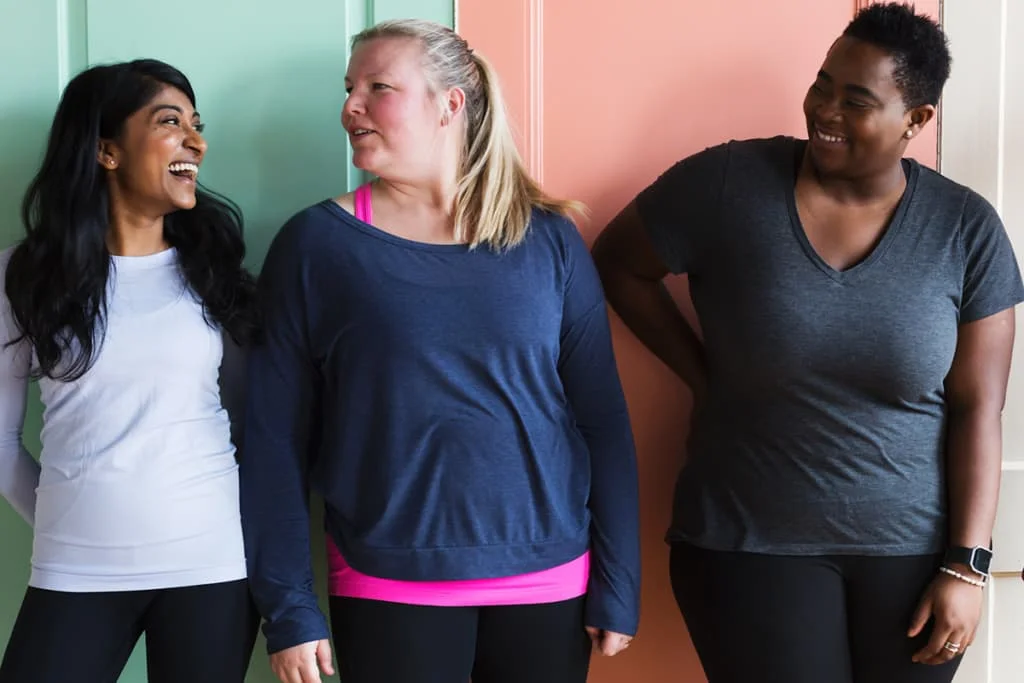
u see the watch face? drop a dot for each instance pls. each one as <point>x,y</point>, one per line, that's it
<point>981,560</point>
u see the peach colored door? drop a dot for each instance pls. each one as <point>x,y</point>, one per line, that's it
<point>606,94</point>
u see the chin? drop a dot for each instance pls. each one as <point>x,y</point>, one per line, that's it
<point>366,161</point>
<point>183,203</point>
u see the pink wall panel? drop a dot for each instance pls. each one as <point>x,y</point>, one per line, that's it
<point>605,95</point>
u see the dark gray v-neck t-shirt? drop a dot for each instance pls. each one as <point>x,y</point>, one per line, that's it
<point>824,431</point>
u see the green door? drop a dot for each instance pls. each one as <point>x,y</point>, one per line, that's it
<point>269,78</point>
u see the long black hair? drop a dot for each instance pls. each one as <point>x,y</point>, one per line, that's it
<point>57,276</point>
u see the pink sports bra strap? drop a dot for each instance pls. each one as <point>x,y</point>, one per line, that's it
<point>364,203</point>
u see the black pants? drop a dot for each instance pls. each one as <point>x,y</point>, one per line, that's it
<point>199,634</point>
<point>383,642</point>
<point>774,619</point>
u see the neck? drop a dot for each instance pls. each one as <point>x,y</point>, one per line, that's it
<point>436,196</point>
<point>135,234</point>
<point>435,192</point>
<point>878,187</point>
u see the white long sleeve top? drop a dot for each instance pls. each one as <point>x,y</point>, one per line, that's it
<point>137,485</point>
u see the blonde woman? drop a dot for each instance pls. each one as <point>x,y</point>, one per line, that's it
<point>438,366</point>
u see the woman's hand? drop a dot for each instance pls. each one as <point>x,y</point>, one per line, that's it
<point>608,643</point>
<point>955,606</point>
<point>303,663</point>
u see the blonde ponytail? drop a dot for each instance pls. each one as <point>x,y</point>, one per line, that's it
<point>496,195</point>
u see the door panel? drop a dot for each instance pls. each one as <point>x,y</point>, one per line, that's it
<point>29,93</point>
<point>983,147</point>
<point>269,78</point>
<point>606,95</point>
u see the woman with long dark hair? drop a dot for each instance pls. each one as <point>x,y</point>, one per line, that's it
<point>121,301</point>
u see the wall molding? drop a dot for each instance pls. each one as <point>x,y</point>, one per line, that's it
<point>72,40</point>
<point>535,89</point>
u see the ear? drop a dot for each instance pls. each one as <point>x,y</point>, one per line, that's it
<point>108,155</point>
<point>917,118</point>
<point>452,104</point>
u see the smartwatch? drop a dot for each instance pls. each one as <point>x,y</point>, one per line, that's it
<point>979,559</point>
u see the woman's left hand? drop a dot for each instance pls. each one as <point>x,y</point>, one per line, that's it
<point>608,643</point>
<point>955,606</point>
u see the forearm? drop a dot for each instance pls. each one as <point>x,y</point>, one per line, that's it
<point>973,467</point>
<point>648,310</point>
<point>615,528</point>
<point>19,471</point>
<point>281,579</point>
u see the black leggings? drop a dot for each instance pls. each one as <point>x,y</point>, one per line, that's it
<point>199,634</point>
<point>384,642</point>
<point>775,619</point>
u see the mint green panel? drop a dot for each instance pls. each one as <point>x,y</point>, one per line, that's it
<point>269,85</point>
<point>269,82</point>
<point>443,12</point>
<point>29,87</point>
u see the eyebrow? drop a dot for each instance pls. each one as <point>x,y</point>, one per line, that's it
<point>375,74</point>
<point>160,107</point>
<point>859,89</point>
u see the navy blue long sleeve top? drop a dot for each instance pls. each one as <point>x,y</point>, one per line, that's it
<point>459,411</point>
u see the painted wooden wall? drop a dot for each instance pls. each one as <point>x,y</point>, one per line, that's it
<point>607,94</point>
<point>269,78</point>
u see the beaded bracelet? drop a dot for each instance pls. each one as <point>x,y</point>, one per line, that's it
<point>980,583</point>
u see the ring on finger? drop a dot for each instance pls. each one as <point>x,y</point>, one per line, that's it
<point>951,647</point>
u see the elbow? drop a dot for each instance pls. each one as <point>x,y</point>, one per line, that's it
<point>975,407</point>
<point>604,260</point>
<point>617,280</point>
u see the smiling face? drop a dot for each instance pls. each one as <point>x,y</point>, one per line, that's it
<point>396,124</point>
<point>153,163</point>
<point>857,121</point>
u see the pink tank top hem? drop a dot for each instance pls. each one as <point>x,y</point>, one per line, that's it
<point>564,582</point>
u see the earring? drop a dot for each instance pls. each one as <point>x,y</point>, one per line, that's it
<point>909,134</point>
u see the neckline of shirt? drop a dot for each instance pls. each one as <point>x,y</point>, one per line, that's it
<point>147,262</point>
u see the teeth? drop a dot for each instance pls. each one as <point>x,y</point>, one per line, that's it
<point>830,138</point>
<point>361,131</point>
<point>184,167</point>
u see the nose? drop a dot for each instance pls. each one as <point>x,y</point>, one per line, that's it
<point>827,109</point>
<point>353,105</point>
<point>196,142</point>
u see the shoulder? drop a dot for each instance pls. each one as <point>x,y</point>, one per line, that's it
<point>8,329</point>
<point>932,186</point>
<point>347,202</point>
<point>759,155</point>
<point>745,151</point>
<point>557,231</point>
<point>955,204</point>
<point>5,258</point>
<point>703,173</point>
<point>566,250</point>
<point>305,231</point>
